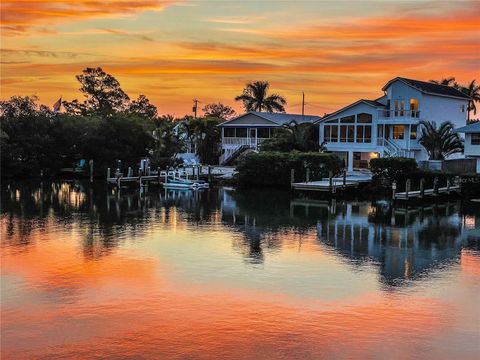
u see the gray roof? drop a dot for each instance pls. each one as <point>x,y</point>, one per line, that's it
<point>280,118</point>
<point>373,102</point>
<point>470,128</point>
<point>431,88</point>
<point>283,118</point>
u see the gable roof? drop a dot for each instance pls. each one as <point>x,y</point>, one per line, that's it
<point>278,118</point>
<point>430,88</point>
<point>372,103</point>
<point>470,128</point>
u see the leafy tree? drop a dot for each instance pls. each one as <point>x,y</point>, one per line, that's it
<point>208,139</point>
<point>473,91</point>
<point>440,142</point>
<point>293,136</point>
<point>204,136</point>
<point>143,107</point>
<point>27,145</point>
<point>218,110</point>
<point>167,139</point>
<point>103,94</point>
<point>255,98</point>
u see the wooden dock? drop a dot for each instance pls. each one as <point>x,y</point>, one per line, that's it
<point>427,192</point>
<point>158,177</point>
<point>324,185</point>
<point>330,184</point>
<point>423,193</point>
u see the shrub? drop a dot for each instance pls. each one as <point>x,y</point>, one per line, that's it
<point>273,168</point>
<point>392,169</point>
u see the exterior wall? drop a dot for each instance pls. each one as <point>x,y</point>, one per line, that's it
<point>471,150</point>
<point>440,109</point>
<point>402,92</point>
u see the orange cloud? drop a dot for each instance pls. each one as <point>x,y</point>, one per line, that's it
<point>20,15</point>
<point>334,63</point>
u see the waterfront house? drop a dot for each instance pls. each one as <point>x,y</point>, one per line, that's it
<point>472,142</point>
<point>388,125</point>
<point>247,131</point>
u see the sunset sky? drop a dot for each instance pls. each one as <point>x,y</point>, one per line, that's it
<point>173,51</point>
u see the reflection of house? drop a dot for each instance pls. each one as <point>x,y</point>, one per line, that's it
<point>250,129</point>
<point>402,251</point>
<point>472,141</point>
<point>388,126</point>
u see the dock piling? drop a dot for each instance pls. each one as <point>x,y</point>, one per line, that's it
<point>90,163</point>
<point>330,180</point>
<point>394,189</point>
<point>422,188</point>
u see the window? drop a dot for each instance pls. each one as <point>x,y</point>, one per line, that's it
<point>343,133</point>
<point>360,134</point>
<point>348,119</point>
<point>327,133</point>
<point>413,132</point>
<point>414,108</point>
<point>331,121</point>
<point>398,132</point>
<point>229,132</point>
<point>351,133</point>
<point>368,134</point>
<point>364,133</point>
<point>334,133</point>
<point>414,104</point>
<point>263,133</point>
<point>475,139</point>
<point>241,132</point>
<point>462,108</point>
<point>364,118</point>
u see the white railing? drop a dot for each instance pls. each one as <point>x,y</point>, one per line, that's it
<point>236,141</point>
<point>407,113</point>
<point>393,149</point>
<point>253,142</point>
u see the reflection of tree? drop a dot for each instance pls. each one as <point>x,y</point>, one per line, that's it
<point>262,217</point>
<point>104,219</point>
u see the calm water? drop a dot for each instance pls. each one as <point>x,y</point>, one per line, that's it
<point>231,275</point>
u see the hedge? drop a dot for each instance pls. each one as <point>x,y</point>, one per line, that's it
<point>393,169</point>
<point>274,168</point>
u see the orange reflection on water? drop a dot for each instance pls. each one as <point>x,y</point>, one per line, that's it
<point>125,304</point>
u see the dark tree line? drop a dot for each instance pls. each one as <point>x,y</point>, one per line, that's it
<point>106,126</point>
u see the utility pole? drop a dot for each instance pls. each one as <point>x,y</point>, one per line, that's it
<point>303,103</point>
<point>194,109</point>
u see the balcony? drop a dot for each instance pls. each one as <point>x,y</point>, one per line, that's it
<point>236,142</point>
<point>399,114</point>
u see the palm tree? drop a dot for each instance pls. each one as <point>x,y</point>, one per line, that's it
<point>450,81</point>
<point>255,98</point>
<point>440,142</point>
<point>293,136</point>
<point>473,91</point>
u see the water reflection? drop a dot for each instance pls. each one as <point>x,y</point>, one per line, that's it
<point>218,274</point>
<point>406,243</point>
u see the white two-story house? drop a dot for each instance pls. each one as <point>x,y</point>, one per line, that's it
<point>388,126</point>
<point>251,129</point>
<point>472,142</point>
